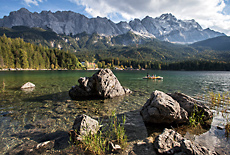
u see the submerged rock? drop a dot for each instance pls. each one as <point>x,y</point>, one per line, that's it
<point>171,142</point>
<point>28,85</point>
<point>102,84</point>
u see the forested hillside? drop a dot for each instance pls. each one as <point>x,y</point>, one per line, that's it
<point>15,53</point>
<point>44,49</point>
<point>86,46</point>
<point>128,46</point>
<point>218,43</point>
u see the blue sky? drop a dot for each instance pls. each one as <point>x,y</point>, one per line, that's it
<point>214,14</point>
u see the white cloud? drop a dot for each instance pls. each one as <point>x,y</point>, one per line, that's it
<point>208,13</point>
<point>34,2</point>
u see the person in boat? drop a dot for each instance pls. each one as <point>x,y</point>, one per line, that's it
<point>147,74</point>
<point>153,76</point>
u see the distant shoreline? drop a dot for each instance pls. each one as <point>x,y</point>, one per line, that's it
<point>13,69</point>
<point>20,69</point>
<point>91,69</point>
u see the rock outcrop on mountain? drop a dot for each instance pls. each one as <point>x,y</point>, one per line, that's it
<point>166,27</point>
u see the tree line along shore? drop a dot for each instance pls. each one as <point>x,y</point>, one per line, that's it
<point>15,54</point>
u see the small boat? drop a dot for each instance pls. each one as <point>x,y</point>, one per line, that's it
<point>153,77</point>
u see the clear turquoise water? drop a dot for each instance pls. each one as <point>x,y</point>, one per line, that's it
<point>49,108</point>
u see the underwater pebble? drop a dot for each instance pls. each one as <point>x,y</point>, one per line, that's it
<point>141,143</point>
<point>6,113</point>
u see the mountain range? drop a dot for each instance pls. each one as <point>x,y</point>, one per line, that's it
<point>221,43</point>
<point>166,27</point>
<point>101,39</point>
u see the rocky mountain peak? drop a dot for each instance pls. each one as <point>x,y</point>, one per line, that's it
<point>166,27</point>
<point>167,16</point>
<point>23,10</point>
<point>147,18</point>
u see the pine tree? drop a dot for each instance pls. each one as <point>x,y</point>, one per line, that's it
<point>35,61</point>
<point>17,63</point>
<point>69,63</point>
<point>1,62</point>
<point>24,60</point>
<point>5,56</point>
<point>47,62</point>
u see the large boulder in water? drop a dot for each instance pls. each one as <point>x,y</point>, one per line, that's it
<point>102,84</point>
<point>189,104</point>
<point>172,108</point>
<point>163,109</point>
<point>171,142</point>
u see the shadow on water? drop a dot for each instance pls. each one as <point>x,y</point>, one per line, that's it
<point>63,96</point>
<point>60,96</point>
<point>40,142</point>
<point>155,129</point>
<point>60,138</point>
<point>91,106</point>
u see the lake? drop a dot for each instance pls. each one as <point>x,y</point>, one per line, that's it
<point>49,107</point>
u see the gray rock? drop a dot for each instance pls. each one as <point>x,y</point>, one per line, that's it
<point>102,84</point>
<point>162,108</point>
<point>28,85</point>
<point>171,142</point>
<point>83,125</point>
<point>172,108</point>
<point>188,103</point>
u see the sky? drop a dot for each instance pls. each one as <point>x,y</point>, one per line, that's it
<point>213,14</point>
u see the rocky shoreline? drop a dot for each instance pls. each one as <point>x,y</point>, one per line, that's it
<point>160,109</point>
<point>139,140</point>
